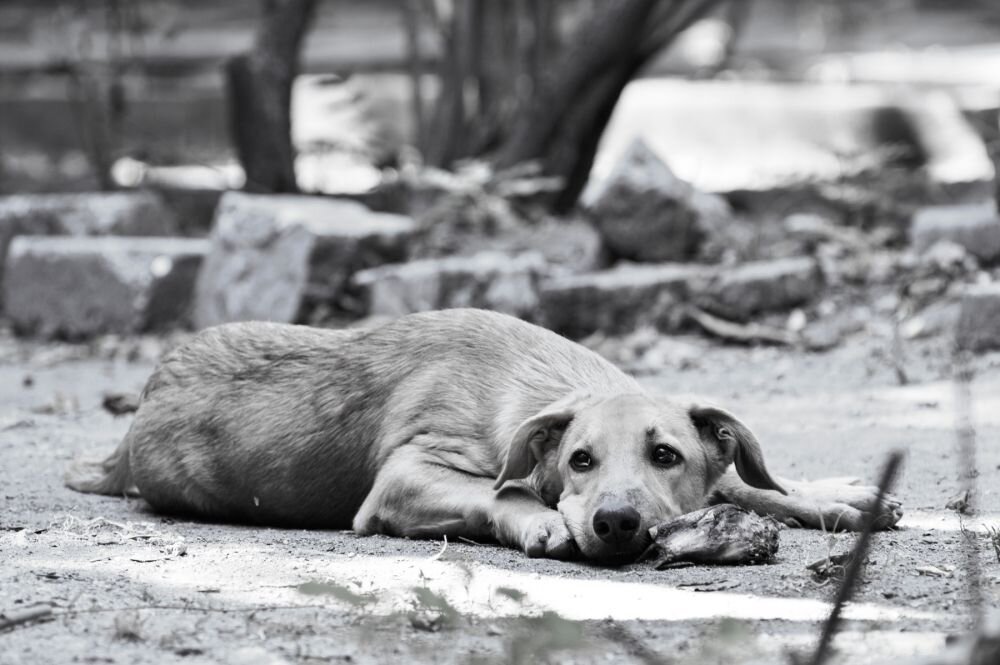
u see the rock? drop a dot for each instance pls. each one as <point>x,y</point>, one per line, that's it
<point>274,256</point>
<point>646,351</point>
<point>488,280</point>
<point>978,327</point>
<point>86,214</point>
<point>940,316</point>
<point>621,299</point>
<point>761,286</point>
<point>79,287</point>
<point>193,207</point>
<point>646,213</point>
<point>976,227</point>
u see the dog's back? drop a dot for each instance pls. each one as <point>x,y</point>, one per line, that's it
<point>287,425</point>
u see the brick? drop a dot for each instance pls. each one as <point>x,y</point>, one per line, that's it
<point>83,214</point>
<point>978,326</point>
<point>273,257</point>
<point>976,227</point>
<point>646,213</point>
<point>761,286</point>
<point>487,280</point>
<point>79,287</point>
<point>621,299</point>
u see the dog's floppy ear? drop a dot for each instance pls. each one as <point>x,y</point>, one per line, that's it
<point>532,437</point>
<point>736,442</point>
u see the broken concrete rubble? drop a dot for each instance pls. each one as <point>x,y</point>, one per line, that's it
<point>489,280</point>
<point>646,213</point>
<point>273,256</point>
<point>80,287</point>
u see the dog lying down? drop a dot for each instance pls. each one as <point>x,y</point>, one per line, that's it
<point>458,423</point>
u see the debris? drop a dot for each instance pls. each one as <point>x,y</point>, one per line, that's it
<point>830,567</point>
<point>81,287</point>
<point>60,405</point>
<point>959,503</point>
<point>128,627</point>
<point>11,618</point>
<point>722,534</point>
<point>855,566</point>
<point>118,404</point>
<point>272,256</point>
<point>741,333</point>
<point>646,213</point>
<point>761,286</point>
<point>488,280</point>
<point>976,227</point>
<point>814,229</point>
<point>619,300</point>
<point>713,585</point>
<point>83,214</point>
<point>430,622</point>
<point>979,318</point>
<point>932,571</point>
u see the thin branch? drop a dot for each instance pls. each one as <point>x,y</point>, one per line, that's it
<point>19,618</point>
<point>966,442</point>
<point>857,564</point>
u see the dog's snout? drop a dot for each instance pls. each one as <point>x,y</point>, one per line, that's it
<point>616,523</point>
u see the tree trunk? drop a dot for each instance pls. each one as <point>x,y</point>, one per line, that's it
<point>260,96</point>
<point>562,127</point>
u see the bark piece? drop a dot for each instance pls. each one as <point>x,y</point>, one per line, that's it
<point>724,534</point>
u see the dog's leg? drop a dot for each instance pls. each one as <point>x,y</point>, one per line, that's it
<point>418,494</point>
<point>818,505</point>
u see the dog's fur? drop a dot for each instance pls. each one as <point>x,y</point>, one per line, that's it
<point>458,423</point>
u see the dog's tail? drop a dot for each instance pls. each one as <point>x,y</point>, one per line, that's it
<point>113,476</point>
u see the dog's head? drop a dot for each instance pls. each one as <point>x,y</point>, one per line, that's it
<point>616,466</point>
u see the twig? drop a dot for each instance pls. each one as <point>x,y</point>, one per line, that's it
<point>897,356</point>
<point>618,632</point>
<point>744,333</point>
<point>857,563</point>
<point>189,608</point>
<point>966,442</point>
<point>444,548</point>
<point>11,619</point>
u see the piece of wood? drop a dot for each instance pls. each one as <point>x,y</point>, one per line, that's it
<point>742,333</point>
<point>11,618</point>
<point>723,534</point>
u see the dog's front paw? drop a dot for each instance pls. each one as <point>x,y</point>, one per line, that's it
<point>833,506</point>
<point>546,535</point>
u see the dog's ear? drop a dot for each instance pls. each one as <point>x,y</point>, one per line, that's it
<point>721,429</point>
<point>535,435</point>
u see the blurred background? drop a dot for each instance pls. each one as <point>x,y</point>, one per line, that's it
<point>596,167</point>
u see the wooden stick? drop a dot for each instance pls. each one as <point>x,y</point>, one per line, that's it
<point>857,563</point>
<point>9,619</point>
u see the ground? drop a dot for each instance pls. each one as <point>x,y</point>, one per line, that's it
<point>130,586</point>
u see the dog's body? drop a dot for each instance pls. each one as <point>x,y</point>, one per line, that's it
<point>405,429</point>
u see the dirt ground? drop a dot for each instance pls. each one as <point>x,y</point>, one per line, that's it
<point>129,586</point>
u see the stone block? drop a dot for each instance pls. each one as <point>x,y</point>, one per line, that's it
<point>138,213</point>
<point>978,326</point>
<point>79,287</point>
<point>620,300</point>
<point>488,280</point>
<point>976,227</point>
<point>740,292</point>
<point>274,256</point>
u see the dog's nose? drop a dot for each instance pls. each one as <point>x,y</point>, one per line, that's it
<point>616,523</point>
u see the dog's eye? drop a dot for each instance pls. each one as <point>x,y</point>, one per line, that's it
<point>580,461</point>
<point>665,456</point>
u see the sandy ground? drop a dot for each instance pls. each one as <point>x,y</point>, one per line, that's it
<point>129,586</point>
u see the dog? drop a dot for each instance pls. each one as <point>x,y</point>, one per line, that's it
<point>459,423</point>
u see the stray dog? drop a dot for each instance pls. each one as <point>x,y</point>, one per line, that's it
<point>449,423</point>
